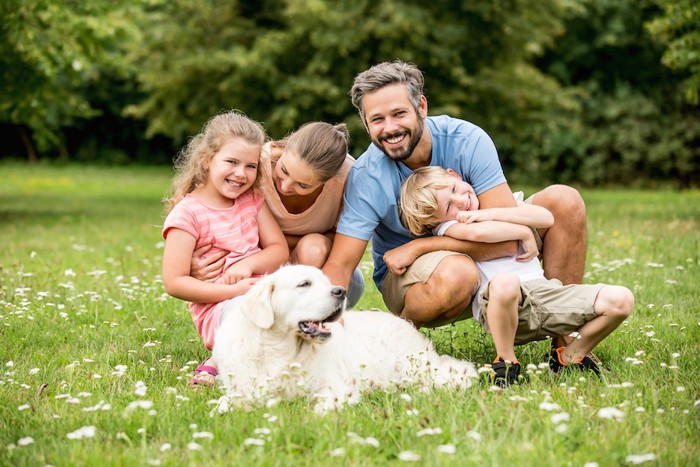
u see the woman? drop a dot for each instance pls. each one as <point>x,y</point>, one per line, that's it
<point>302,178</point>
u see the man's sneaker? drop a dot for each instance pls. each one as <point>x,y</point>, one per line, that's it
<point>556,365</point>
<point>505,373</point>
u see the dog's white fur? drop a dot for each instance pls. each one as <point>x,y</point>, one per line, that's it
<point>262,354</point>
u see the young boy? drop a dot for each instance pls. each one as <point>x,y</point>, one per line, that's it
<point>515,302</point>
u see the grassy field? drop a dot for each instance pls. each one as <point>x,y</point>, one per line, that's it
<point>95,358</point>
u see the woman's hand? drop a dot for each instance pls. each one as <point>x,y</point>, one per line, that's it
<point>209,267</point>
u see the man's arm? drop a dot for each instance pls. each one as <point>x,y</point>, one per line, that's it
<point>344,257</point>
<point>400,258</point>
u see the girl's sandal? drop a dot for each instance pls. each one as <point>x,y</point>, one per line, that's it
<point>204,376</point>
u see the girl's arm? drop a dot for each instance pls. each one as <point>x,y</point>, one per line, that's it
<point>274,250</point>
<point>177,281</point>
<point>525,214</point>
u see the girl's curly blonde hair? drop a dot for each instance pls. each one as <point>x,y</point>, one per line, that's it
<point>418,201</point>
<point>190,171</point>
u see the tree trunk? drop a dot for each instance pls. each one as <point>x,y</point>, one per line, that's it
<point>28,145</point>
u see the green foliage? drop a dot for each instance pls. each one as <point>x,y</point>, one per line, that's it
<point>51,51</point>
<point>630,124</point>
<point>679,29</point>
<point>287,62</point>
<point>571,91</point>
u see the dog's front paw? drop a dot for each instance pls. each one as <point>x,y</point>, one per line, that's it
<point>325,402</point>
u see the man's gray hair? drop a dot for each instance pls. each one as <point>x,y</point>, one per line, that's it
<point>385,74</point>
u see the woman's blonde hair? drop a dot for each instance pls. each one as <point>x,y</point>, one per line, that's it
<point>418,201</point>
<point>190,163</point>
<point>321,145</point>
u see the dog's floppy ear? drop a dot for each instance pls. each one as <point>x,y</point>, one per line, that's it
<point>257,305</point>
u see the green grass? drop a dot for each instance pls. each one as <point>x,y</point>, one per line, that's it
<point>81,294</point>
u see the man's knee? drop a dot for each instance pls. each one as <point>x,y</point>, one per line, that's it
<point>457,274</point>
<point>562,201</point>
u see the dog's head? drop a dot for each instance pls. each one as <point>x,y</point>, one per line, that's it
<point>296,299</point>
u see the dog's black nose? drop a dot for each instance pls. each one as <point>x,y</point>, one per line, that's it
<point>338,292</point>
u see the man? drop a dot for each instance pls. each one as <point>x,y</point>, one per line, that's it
<point>430,280</point>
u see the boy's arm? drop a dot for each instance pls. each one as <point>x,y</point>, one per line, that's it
<point>489,231</point>
<point>525,214</point>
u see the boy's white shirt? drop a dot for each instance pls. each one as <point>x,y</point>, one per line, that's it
<point>526,271</point>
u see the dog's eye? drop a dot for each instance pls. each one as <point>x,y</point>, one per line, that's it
<point>304,284</point>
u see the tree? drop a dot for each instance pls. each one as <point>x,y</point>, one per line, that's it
<point>285,62</point>
<point>50,52</point>
<point>679,29</point>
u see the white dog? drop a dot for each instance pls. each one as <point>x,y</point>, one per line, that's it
<point>284,341</point>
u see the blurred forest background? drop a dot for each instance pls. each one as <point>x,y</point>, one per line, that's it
<point>589,92</point>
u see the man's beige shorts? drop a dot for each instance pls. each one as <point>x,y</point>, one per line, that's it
<point>548,309</point>
<point>394,287</point>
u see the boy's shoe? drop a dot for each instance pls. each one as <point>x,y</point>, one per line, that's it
<point>505,373</point>
<point>586,363</point>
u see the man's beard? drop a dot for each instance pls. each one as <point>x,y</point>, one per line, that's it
<point>401,155</point>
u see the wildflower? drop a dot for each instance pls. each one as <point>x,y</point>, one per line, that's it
<point>140,388</point>
<point>24,407</point>
<point>447,448</point>
<point>33,371</point>
<point>203,434</point>
<point>194,446</point>
<point>429,431</point>
<point>165,446</point>
<point>640,458</point>
<point>84,432</point>
<point>337,452</point>
<point>611,413</point>
<point>408,456</point>
<point>474,435</point>
<point>549,406</point>
<point>560,417</point>
<point>25,441</point>
<point>253,442</point>
<point>146,405</point>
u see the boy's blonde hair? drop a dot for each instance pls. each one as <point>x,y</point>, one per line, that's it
<point>321,145</point>
<point>190,171</point>
<point>418,201</point>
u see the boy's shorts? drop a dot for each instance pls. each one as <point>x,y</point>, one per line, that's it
<point>548,309</point>
<point>394,287</point>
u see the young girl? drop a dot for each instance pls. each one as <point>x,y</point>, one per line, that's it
<point>212,201</point>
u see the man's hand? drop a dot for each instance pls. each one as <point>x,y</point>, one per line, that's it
<point>400,258</point>
<point>210,267</point>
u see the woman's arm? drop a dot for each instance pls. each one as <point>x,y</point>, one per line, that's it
<point>177,256</point>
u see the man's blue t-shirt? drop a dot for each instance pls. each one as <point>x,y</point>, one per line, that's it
<point>373,185</point>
